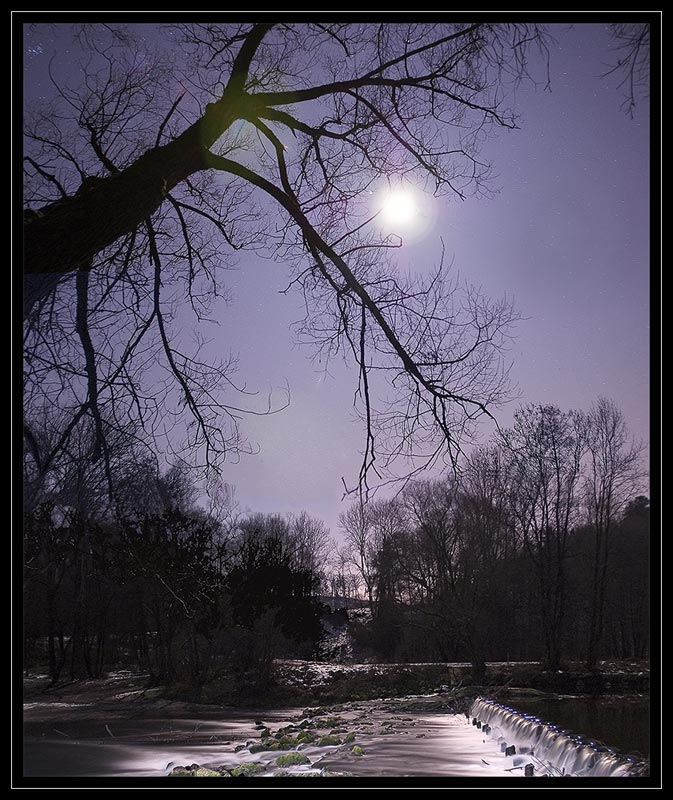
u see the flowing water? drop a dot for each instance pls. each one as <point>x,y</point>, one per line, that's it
<point>528,739</point>
<point>394,745</point>
<point>132,735</point>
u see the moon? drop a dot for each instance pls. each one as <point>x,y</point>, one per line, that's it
<point>399,208</point>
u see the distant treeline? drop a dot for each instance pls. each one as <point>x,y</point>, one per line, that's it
<point>534,548</point>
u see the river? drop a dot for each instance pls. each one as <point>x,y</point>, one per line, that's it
<point>399,738</point>
<point>621,722</point>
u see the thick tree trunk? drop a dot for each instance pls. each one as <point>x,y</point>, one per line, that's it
<point>599,580</point>
<point>67,235</point>
<point>51,640</point>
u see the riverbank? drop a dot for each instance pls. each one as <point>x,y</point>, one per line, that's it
<point>316,682</point>
<point>304,683</point>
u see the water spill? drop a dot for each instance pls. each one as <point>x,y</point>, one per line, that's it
<point>549,749</point>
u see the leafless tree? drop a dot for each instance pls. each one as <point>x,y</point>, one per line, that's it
<point>631,43</point>
<point>545,448</point>
<point>311,542</point>
<point>356,524</point>
<point>142,181</point>
<point>343,579</point>
<point>613,475</point>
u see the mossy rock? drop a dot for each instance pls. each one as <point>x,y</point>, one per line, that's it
<point>329,741</point>
<point>283,773</point>
<point>195,771</point>
<point>265,745</point>
<point>287,729</point>
<point>204,772</point>
<point>329,722</point>
<point>247,770</point>
<point>356,750</point>
<point>224,771</point>
<point>286,741</point>
<point>349,737</point>
<point>306,737</point>
<point>292,759</point>
<point>180,772</point>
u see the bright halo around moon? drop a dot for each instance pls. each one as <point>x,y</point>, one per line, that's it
<point>404,211</point>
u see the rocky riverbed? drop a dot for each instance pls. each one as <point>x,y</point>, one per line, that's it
<point>117,727</point>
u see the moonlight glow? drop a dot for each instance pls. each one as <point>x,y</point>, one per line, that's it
<point>399,208</point>
<point>404,211</point>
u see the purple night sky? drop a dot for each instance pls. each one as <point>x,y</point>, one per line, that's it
<point>567,236</point>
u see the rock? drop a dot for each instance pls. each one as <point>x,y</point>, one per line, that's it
<point>283,773</point>
<point>329,722</point>
<point>292,759</point>
<point>329,741</point>
<point>247,769</point>
<point>224,771</point>
<point>266,744</point>
<point>180,772</point>
<point>356,750</point>
<point>349,737</point>
<point>194,771</point>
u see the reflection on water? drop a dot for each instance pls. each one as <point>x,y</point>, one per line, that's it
<point>622,723</point>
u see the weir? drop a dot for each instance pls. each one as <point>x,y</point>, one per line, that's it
<point>550,750</point>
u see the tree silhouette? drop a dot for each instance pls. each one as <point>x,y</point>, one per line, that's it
<point>143,180</point>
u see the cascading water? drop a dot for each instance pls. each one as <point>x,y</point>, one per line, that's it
<point>550,750</point>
